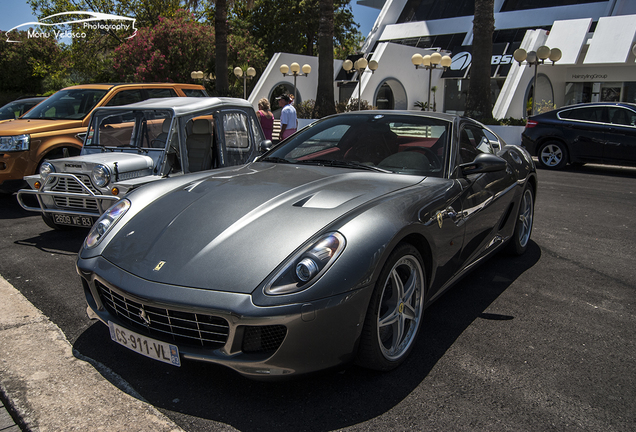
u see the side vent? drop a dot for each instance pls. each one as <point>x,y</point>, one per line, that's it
<point>303,201</point>
<point>506,217</point>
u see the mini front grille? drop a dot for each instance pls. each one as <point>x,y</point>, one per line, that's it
<point>70,185</point>
<point>263,338</point>
<point>172,325</point>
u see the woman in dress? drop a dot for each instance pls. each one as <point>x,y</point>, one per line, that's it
<point>266,117</point>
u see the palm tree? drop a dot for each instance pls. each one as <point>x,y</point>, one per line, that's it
<point>325,104</point>
<point>479,105</point>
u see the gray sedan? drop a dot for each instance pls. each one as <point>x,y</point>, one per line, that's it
<point>325,250</point>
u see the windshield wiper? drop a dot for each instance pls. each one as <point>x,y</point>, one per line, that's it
<point>275,160</point>
<point>343,164</point>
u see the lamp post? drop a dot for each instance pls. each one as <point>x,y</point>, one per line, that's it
<point>534,59</point>
<point>247,75</point>
<point>201,75</point>
<point>360,66</point>
<point>295,72</point>
<point>430,62</point>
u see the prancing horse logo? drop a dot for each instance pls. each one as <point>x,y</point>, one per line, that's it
<point>144,317</point>
<point>158,266</point>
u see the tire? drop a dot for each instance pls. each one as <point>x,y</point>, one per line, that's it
<point>48,220</point>
<point>523,227</point>
<point>395,311</point>
<point>553,155</point>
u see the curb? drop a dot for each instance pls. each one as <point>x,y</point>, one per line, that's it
<point>51,388</point>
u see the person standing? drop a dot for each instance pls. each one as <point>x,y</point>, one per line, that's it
<point>288,121</point>
<point>265,117</point>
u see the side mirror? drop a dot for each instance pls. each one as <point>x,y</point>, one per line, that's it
<point>266,145</point>
<point>483,163</point>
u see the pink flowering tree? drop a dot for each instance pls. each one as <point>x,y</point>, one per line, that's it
<point>167,52</point>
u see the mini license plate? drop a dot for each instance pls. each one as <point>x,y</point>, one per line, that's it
<point>64,219</point>
<point>143,345</point>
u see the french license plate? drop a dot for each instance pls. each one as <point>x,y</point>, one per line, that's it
<point>64,219</point>
<point>143,345</point>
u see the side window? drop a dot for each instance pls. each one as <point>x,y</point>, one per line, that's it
<point>593,114</point>
<point>194,93</point>
<point>495,142</point>
<point>472,141</point>
<point>237,138</point>
<point>160,93</point>
<point>621,116</point>
<point>126,97</point>
<point>256,131</point>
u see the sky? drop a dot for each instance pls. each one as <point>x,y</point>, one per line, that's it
<point>16,12</point>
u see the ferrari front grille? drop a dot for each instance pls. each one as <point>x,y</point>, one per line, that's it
<point>166,324</point>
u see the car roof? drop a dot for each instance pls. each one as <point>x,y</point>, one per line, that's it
<point>108,86</point>
<point>592,104</point>
<point>183,105</point>
<point>441,116</point>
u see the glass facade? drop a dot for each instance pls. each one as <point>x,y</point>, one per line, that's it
<point>515,5</point>
<point>582,92</point>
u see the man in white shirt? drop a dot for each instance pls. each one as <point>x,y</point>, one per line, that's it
<point>288,120</point>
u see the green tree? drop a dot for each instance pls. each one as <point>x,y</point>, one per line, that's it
<point>293,25</point>
<point>324,95</point>
<point>27,67</point>
<point>479,104</point>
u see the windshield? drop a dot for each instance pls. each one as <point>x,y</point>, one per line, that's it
<point>74,104</point>
<point>394,143</point>
<point>129,128</point>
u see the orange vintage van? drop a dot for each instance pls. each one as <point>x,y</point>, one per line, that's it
<point>56,127</point>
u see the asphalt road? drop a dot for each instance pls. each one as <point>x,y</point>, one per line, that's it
<point>541,342</point>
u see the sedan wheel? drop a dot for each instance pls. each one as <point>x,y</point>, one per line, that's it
<point>553,155</point>
<point>523,227</point>
<point>395,311</point>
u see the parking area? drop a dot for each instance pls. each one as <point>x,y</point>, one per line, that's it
<point>541,342</point>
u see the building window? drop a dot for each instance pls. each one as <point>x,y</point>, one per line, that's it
<point>423,10</point>
<point>515,5</point>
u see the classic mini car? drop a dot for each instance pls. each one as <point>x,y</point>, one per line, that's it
<point>132,145</point>
<point>55,127</point>
<point>324,250</point>
<point>602,132</point>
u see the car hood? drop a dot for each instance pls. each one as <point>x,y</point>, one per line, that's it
<point>126,162</point>
<point>28,126</point>
<point>230,230</point>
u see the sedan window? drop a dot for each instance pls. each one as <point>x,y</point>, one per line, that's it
<point>593,114</point>
<point>622,116</point>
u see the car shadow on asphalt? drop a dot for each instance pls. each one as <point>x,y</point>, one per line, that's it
<point>65,242</point>
<point>324,401</point>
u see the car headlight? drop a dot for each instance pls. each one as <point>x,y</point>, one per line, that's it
<point>46,169</point>
<point>15,143</point>
<point>106,222</point>
<point>307,266</point>
<point>100,175</point>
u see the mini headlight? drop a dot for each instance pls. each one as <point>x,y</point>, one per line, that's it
<point>15,143</point>
<point>100,175</point>
<point>106,222</point>
<point>45,170</point>
<point>307,266</point>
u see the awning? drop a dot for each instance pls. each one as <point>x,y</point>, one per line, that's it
<point>612,40</point>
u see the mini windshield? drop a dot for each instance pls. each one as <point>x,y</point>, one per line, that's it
<point>74,104</point>
<point>129,128</point>
<point>380,142</point>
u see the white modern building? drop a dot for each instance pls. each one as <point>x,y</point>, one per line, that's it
<point>596,38</point>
